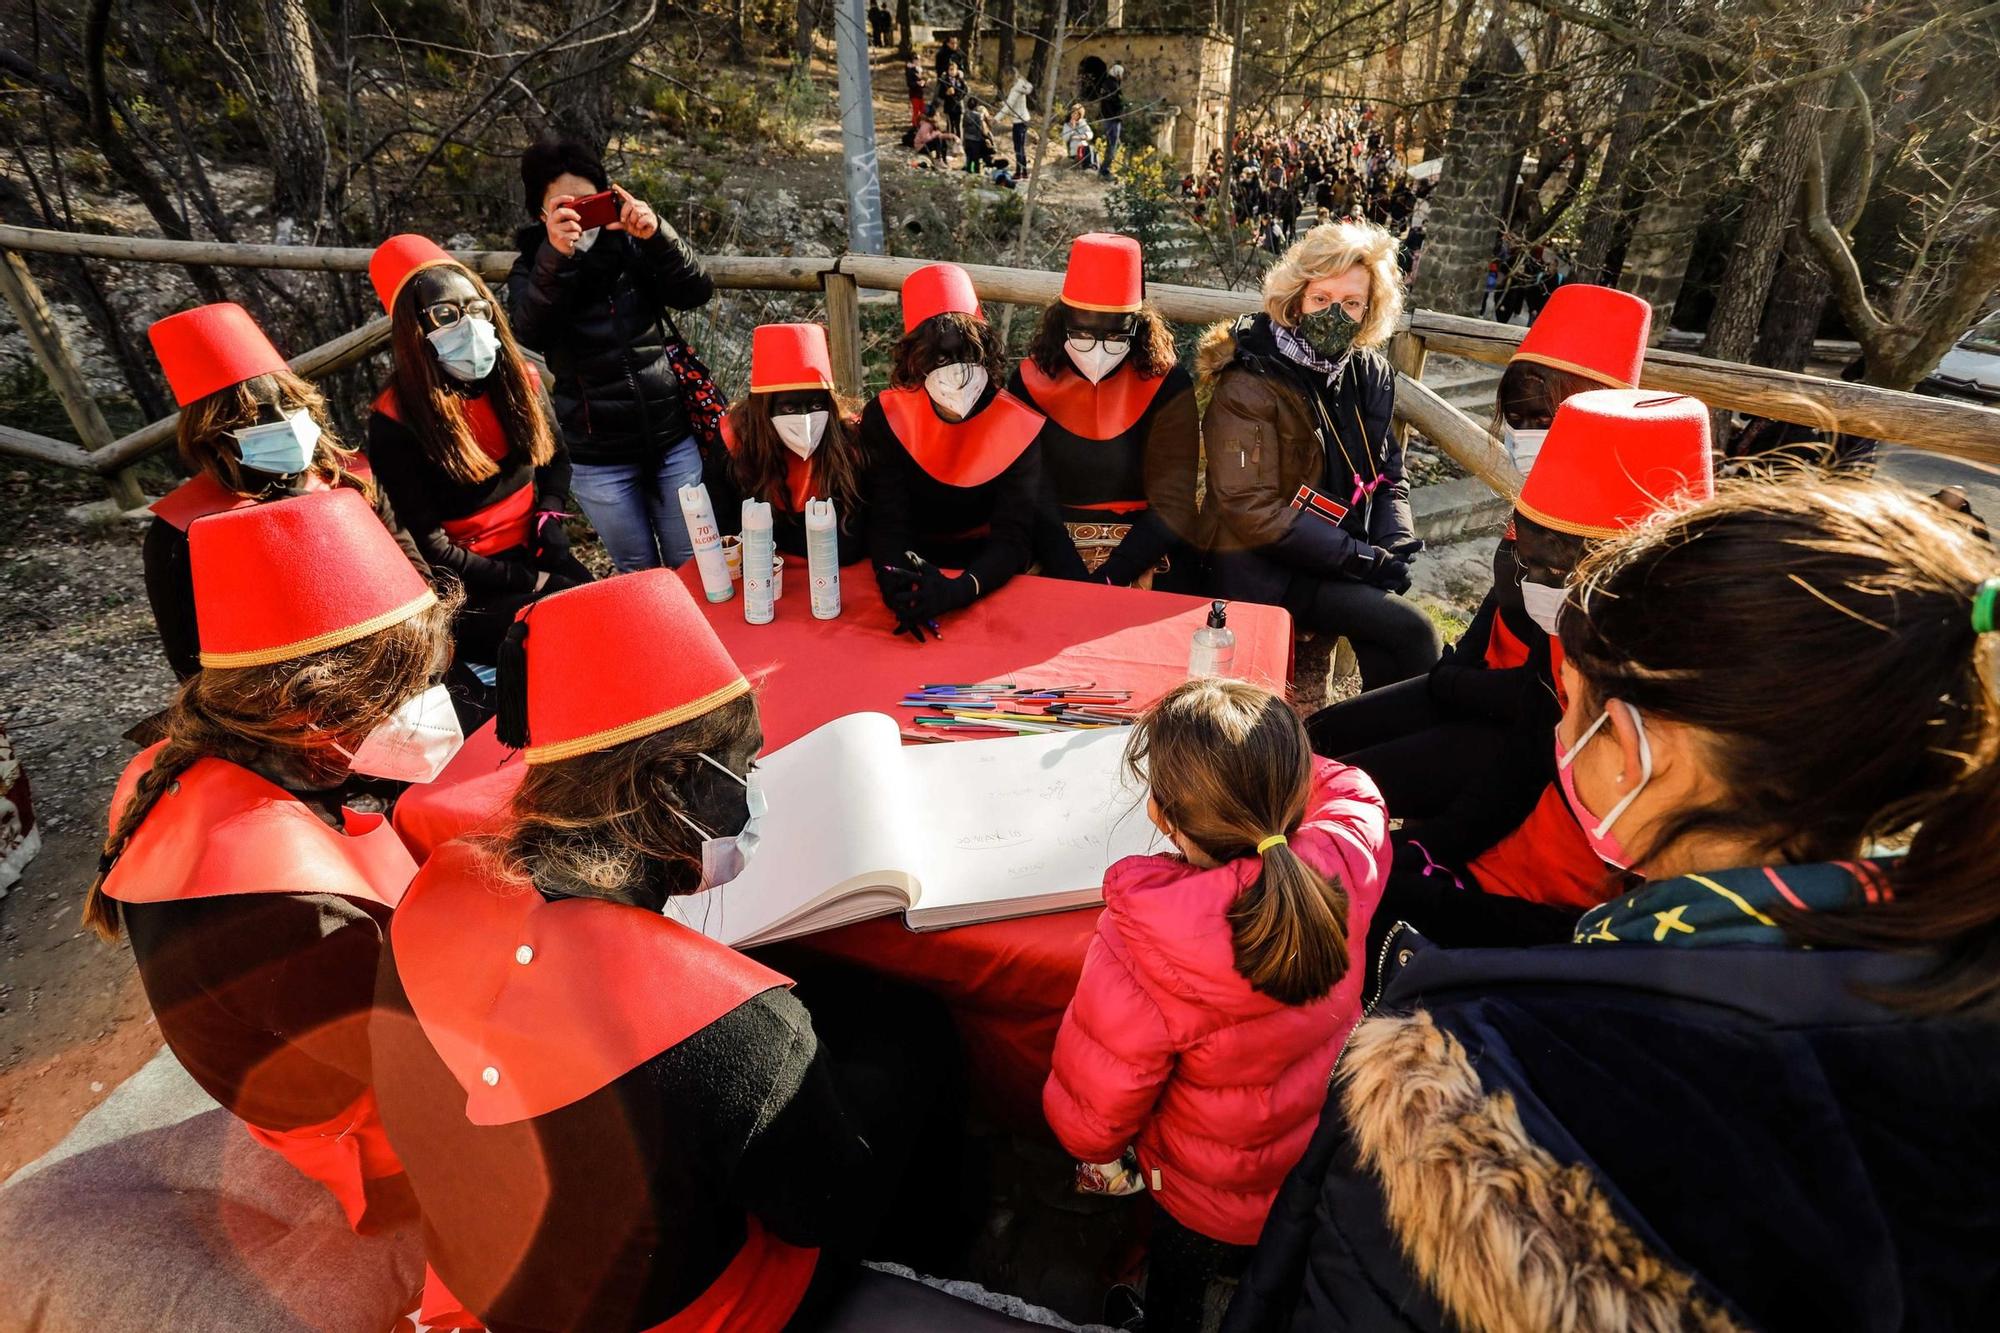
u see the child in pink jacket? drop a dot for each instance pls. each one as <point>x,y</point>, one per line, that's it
<point>1222,981</point>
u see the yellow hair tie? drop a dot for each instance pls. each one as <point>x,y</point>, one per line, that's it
<point>1271,842</point>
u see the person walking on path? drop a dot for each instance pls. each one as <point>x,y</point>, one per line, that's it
<point>1018,114</point>
<point>1111,110</point>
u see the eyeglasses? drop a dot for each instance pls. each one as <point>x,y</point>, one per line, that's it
<point>444,314</point>
<point>1089,342</point>
<point>1355,307</point>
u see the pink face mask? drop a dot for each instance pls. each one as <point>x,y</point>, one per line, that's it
<point>1608,849</point>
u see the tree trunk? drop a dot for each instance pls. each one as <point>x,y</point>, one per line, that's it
<point>968,39</point>
<point>582,95</point>
<point>802,41</point>
<point>1792,313</point>
<point>1003,80</point>
<point>1768,216</point>
<point>738,51</point>
<point>299,155</point>
<point>906,48</point>
<point>1038,59</point>
<point>1604,217</point>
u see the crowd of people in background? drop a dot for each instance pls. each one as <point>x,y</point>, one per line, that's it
<point>950,125</point>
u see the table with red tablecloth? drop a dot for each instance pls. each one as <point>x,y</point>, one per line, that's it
<point>1007,982</point>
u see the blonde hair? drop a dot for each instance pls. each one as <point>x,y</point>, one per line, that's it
<point>1331,249</point>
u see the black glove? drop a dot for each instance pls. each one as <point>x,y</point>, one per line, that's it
<point>1393,576</point>
<point>1405,549</point>
<point>550,535</point>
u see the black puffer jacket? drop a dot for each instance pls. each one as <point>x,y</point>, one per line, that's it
<point>599,318</point>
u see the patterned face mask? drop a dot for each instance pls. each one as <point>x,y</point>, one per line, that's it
<point>1330,332</point>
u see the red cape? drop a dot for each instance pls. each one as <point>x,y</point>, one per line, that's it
<point>961,453</point>
<point>1101,411</point>
<point>533,1004</point>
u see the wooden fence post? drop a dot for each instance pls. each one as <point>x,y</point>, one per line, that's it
<point>1406,354</point>
<point>45,338</point>
<point>843,332</point>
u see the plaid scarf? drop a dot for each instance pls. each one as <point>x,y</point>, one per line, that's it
<point>1732,906</point>
<point>1302,353</point>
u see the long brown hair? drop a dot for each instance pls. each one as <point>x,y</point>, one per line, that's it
<point>1152,343</point>
<point>435,412</point>
<point>598,823</point>
<point>284,713</point>
<point>1820,629</point>
<point>1229,766</point>
<point>918,351</point>
<point>202,436</point>
<point>761,458</point>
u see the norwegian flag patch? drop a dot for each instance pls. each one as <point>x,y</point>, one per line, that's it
<point>1318,505</point>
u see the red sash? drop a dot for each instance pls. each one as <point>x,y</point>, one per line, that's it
<point>1546,860</point>
<point>221,830</point>
<point>961,453</point>
<point>1503,649</point>
<point>342,1153</point>
<point>534,1005</point>
<point>507,523</point>
<point>1101,411</point>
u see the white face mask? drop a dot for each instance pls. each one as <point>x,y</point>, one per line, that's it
<point>1100,360</point>
<point>587,239</point>
<point>1522,445</point>
<point>956,388</point>
<point>412,744</point>
<point>723,859</point>
<point>1543,604</point>
<point>801,431</point>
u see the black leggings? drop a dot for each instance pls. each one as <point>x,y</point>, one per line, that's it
<point>1393,639</point>
<point>1419,755</point>
<point>1180,1265</point>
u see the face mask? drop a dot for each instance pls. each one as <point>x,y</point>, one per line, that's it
<point>1543,604</point>
<point>1522,445</point>
<point>412,744</point>
<point>1098,362</point>
<point>588,239</point>
<point>723,859</point>
<point>467,349</point>
<point>1330,332</point>
<point>801,431</point>
<point>956,387</point>
<point>281,448</point>
<point>1609,850</point>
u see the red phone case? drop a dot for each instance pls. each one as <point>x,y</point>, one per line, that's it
<point>596,210</point>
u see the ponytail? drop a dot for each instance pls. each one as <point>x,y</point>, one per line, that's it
<point>1227,763</point>
<point>1289,929</point>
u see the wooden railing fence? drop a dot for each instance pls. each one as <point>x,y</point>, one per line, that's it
<point>1961,430</point>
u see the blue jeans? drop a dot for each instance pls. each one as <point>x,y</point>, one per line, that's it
<point>1113,130</point>
<point>1020,148</point>
<point>637,510</point>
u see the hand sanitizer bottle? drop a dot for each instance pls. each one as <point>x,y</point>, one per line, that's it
<point>1214,650</point>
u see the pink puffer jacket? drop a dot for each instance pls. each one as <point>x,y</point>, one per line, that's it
<point>1166,1044</point>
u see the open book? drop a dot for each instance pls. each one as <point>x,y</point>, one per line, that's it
<point>860,826</point>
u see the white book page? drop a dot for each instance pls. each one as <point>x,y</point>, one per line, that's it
<point>839,821</point>
<point>1025,824</point>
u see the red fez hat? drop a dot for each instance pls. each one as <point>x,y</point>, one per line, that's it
<point>938,289</point>
<point>784,357</point>
<point>1614,458</point>
<point>557,697</point>
<point>1105,273</point>
<point>1594,332</point>
<point>397,259</point>
<point>210,348</point>
<point>280,580</point>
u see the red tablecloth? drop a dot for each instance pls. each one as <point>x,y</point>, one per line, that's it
<point>1007,981</point>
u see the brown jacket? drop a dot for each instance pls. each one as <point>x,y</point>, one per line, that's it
<point>1264,438</point>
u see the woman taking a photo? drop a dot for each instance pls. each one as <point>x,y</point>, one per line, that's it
<point>1757,1090</point>
<point>954,460</point>
<point>254,900</point>
<point>462,442</point>
<point>250,431</point>
<point>794,439</point>
<point>1119,454</point>
<point>611,1121</point>
<point>596,302</point>
<point>1311,509</point>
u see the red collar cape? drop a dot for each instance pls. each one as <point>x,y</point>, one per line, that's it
<point>197,497</point>
<point>798,471</point>
<point>961,453</point>
<point>221,830</point>
<point>1101,411</point>
<point>533,1004</point>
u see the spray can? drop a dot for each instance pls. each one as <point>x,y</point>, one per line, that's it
<point>823,558</point>
<point>1214,650</point>
<point>758,550</point>
<point>708,557</point>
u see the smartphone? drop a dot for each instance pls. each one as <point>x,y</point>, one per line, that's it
<point>596,210</point>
